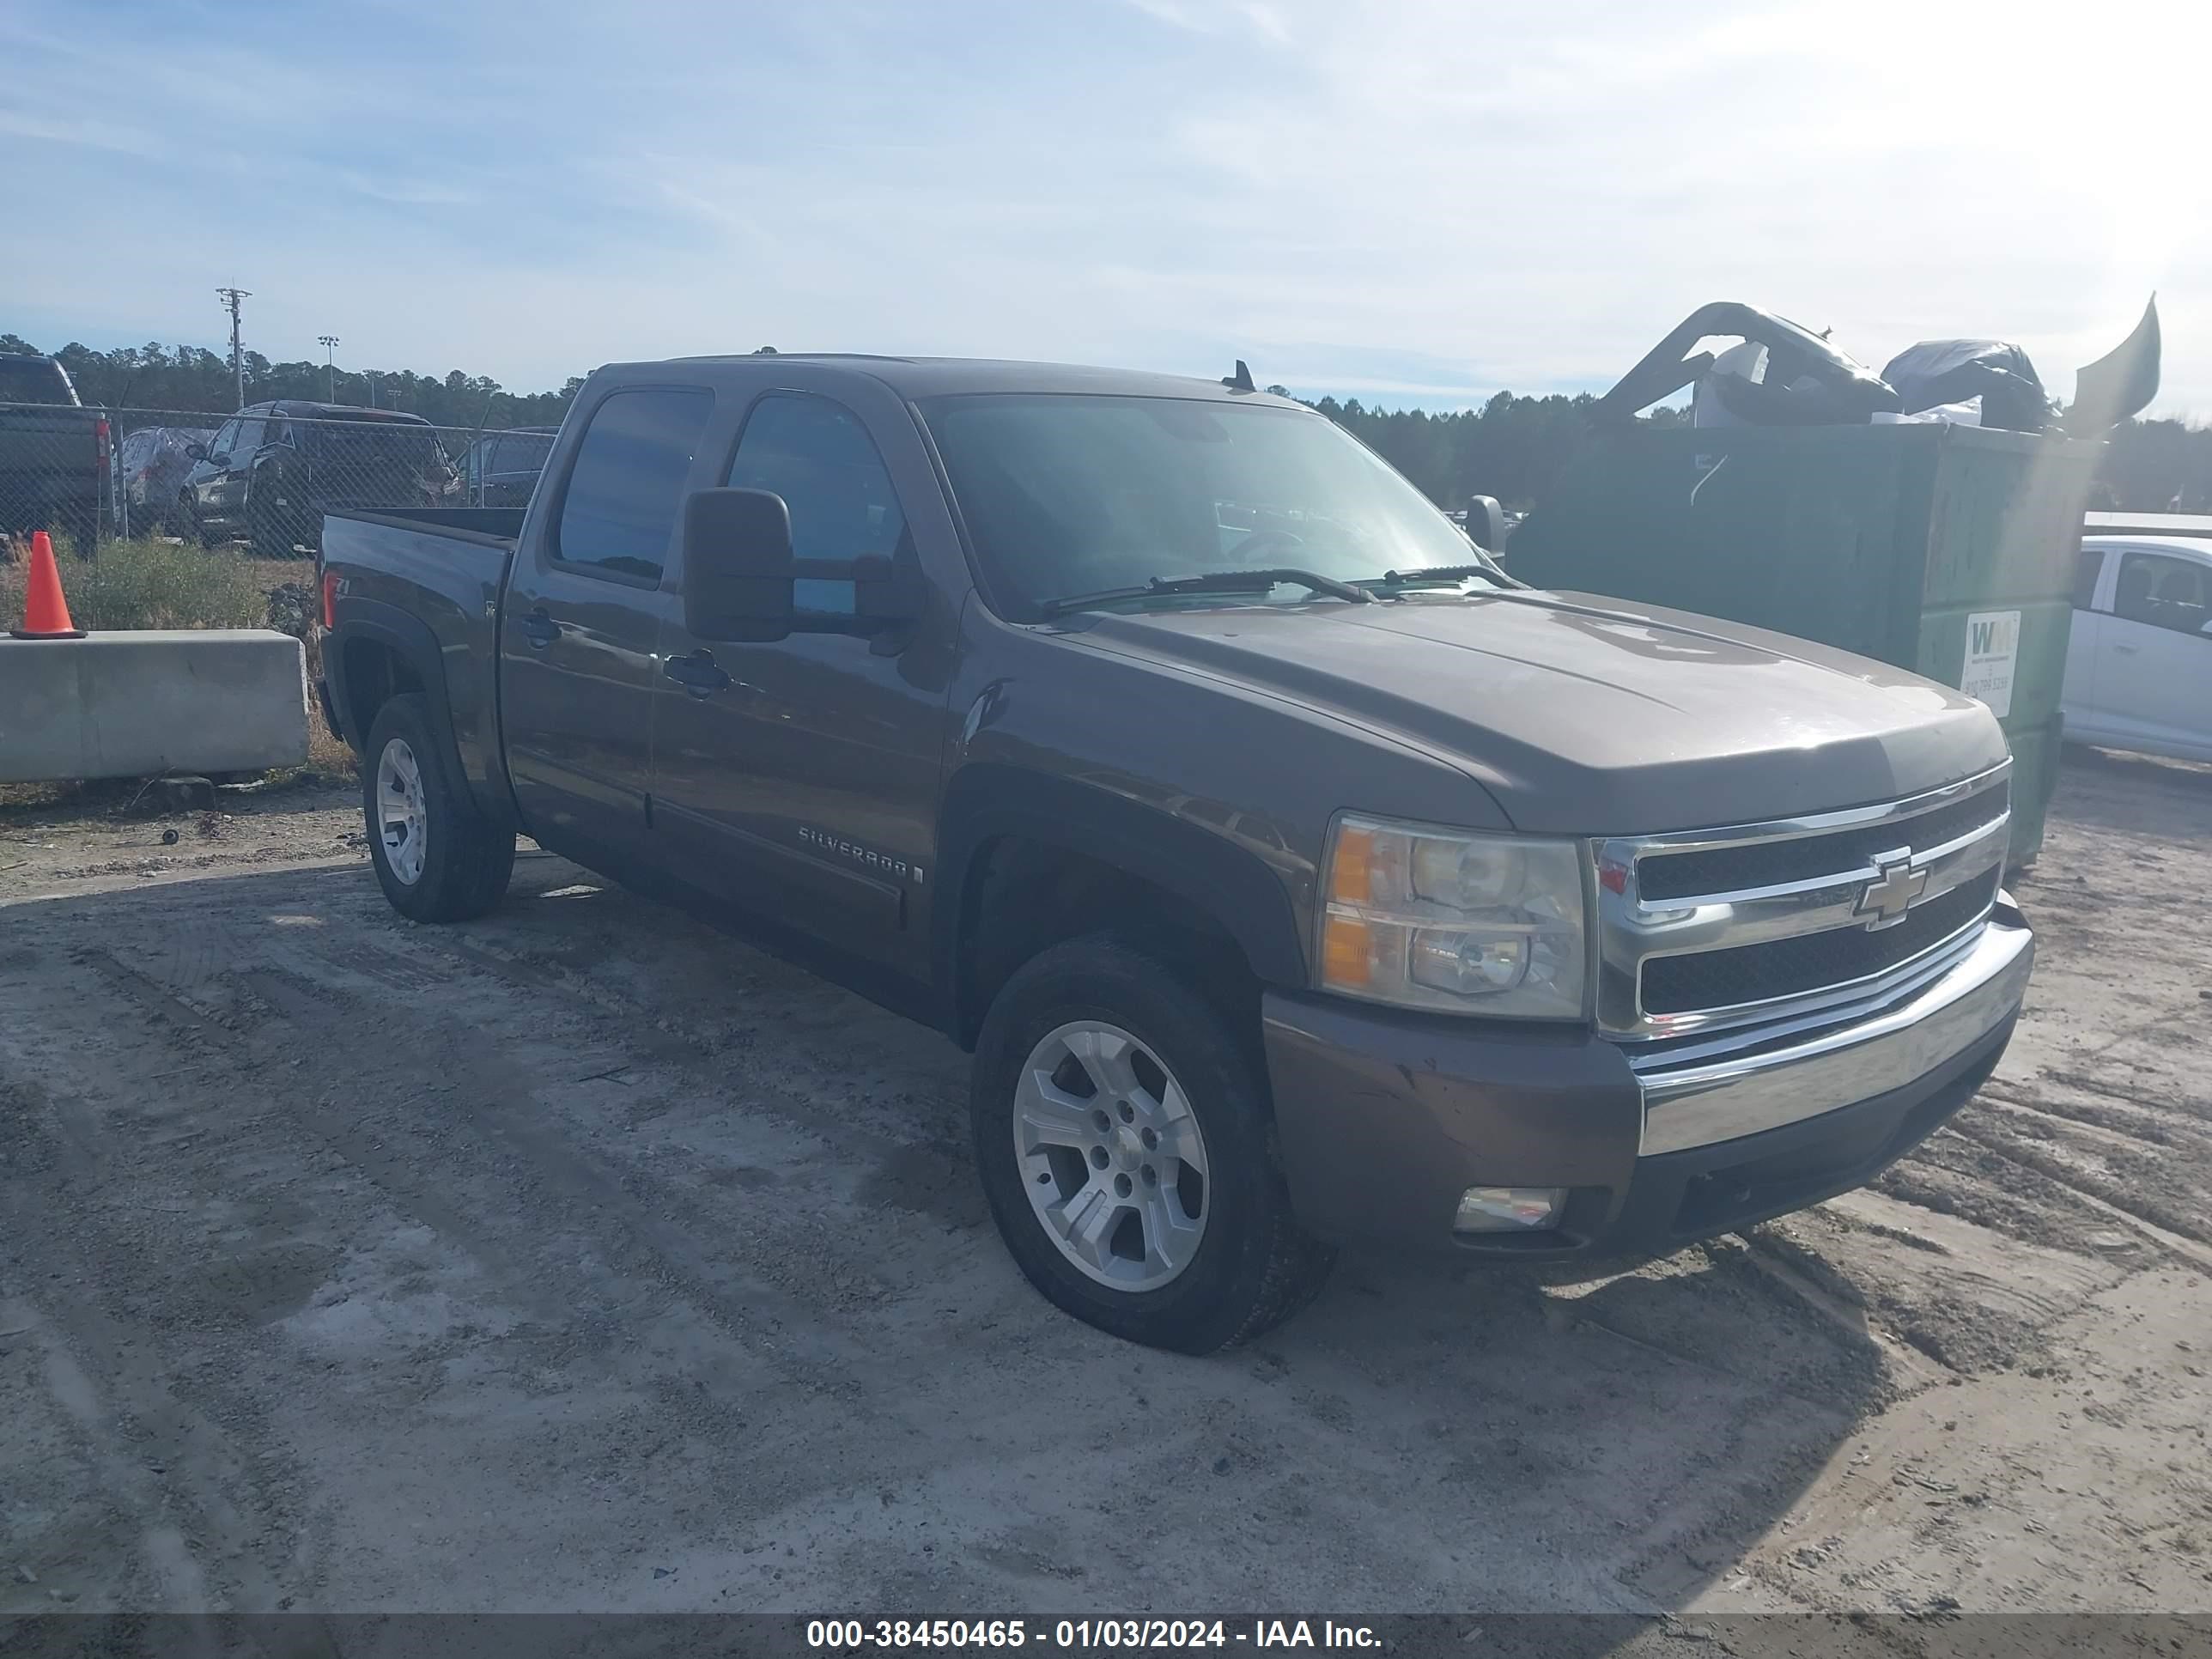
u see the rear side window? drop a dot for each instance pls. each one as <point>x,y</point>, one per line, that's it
<point>34,380</point>
<point>525,453</point>
<point>2085,577</point>
<point>627,485</point>
<point>817,456</point>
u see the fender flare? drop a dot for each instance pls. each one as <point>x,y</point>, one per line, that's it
<point>409,638</point>
<point>1230,886</point>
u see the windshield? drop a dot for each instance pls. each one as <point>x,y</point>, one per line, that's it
<point>1077,494</point>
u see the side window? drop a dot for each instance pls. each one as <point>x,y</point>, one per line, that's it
<point>225,438</point>
<point>2162,590</point>
<point>2085,573</point>
<point>817,456</point>
<point>249,437</point>
<point>626,486</point>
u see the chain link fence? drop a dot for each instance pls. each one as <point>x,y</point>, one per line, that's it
<point>262,477</point>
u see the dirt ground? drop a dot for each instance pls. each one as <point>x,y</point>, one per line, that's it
<point>586,1258</point>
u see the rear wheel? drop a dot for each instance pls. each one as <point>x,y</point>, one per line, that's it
<point>1123,1138</point>
<point>437,858</point>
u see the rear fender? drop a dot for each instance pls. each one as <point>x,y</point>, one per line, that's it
<point>410,638</point>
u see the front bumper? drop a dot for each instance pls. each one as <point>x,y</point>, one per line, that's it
<point>1384,1119</point>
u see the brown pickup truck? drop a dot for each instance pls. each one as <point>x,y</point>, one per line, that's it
<point>1295,875</point>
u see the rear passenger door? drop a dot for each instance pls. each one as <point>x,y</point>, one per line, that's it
<point>582,616</point>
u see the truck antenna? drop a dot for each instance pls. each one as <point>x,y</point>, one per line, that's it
<point>1241,380</point>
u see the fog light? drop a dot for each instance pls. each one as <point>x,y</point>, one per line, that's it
<point>1509,1209</point>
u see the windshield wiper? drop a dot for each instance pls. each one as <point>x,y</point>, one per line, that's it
<point>1213,581</point>
<point>1434,572</point>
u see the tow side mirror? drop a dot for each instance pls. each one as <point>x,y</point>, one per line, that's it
<point>1485,523</point>
<point>738,573</point>
<point>197,450</point>
<point>737,565</point>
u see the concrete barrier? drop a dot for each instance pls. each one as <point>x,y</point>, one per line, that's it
<point>141,704</point>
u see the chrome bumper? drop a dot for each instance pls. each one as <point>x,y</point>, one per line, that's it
<point>1707,1100</point>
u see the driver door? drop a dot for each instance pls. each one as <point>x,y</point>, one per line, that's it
<point>800,778</point>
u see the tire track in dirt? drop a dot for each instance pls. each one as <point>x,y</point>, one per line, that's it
<point>191,1486</point>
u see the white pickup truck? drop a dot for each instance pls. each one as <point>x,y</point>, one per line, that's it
<point>2139,662</point>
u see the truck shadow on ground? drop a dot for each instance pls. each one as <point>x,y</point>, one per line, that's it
<point>685,1132</point>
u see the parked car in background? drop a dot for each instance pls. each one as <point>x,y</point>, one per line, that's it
<point>150,465</point>
<point>2139,661</point>
<point>501,469</point>
<point>272,470</point>
<point>55,454</point>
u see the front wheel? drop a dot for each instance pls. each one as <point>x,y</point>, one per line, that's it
<point>1123,1135</point>
<point>437,858</point>
<point>268,528</point>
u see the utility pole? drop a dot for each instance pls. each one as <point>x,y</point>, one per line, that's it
<point>232,297</point>
<point>330,367</point>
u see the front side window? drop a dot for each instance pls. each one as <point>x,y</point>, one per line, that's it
<point>225,440</point>
<point>817,456</point>
<point>626,486</point>
<point>1073,493</point>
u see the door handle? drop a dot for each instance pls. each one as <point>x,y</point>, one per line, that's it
<point>2125,650</point>
<point>697,673</point>
<point>540,629</point>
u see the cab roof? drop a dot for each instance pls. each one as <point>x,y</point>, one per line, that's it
<point>939,377</point>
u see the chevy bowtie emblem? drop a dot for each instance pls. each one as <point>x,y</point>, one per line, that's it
<point>1884,901</point>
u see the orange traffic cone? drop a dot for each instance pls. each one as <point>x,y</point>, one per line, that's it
<point>46,612</point>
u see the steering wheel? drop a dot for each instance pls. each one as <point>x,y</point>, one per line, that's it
<point>1235,556</point>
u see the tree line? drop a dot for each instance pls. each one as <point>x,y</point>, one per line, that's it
<point>1512,447</point>
<point>194,379</point>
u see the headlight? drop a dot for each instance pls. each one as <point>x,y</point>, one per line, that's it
<point>1453,919</point>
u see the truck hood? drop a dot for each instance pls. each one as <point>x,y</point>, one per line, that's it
<point>1590,716</point>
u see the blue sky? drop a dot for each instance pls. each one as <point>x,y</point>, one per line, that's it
<point>1408,203</point>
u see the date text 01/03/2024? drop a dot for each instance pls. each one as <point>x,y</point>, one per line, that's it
<point>852,1634</point>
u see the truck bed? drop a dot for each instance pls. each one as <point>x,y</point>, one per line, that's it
<point>50,468</point>
<point>411,571</point>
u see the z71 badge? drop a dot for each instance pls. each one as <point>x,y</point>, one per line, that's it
<point>866,856</point>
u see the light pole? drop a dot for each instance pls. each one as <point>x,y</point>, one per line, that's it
<point>330,367</point>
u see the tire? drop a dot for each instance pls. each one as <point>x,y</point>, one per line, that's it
<point>444,861</point>
<point>267,531</point>
<point>189,526</point>
<point>1252,1266</point>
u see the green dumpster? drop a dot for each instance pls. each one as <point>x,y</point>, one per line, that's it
<point>1947,550</point>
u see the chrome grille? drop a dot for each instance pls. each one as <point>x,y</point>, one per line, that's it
<point>1765,864</point>
<point>1706,930</point>
<point>1810,961</point>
